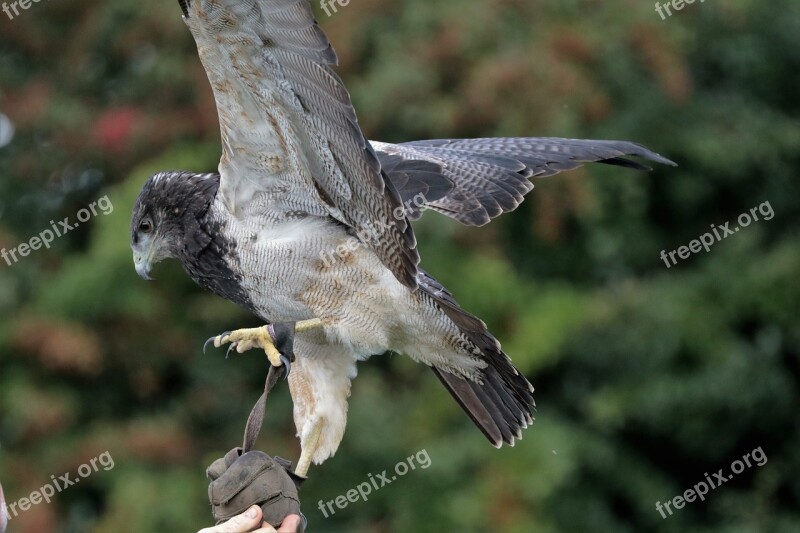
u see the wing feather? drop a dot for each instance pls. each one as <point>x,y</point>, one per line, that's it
<point>287,122</point>
<point>485,178</point>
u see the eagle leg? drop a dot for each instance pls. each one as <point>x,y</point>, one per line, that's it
<point>308,451</point>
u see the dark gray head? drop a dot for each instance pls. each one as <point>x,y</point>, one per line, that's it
<point>168,217</point>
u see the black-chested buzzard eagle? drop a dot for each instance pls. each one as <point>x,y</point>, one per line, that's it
<point>309,222</point>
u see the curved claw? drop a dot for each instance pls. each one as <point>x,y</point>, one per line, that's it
<point>230,349</point>
<point>288,364</point>
<point>213,339</point>
<point>209,341</point>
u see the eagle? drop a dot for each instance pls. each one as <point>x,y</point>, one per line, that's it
<point>306,222</point>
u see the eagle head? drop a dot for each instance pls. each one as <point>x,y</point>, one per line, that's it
<point>168,217</point>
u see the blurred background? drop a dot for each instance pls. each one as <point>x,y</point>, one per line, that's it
<point>646,377</point>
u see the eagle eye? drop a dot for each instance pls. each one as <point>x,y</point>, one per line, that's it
<point>146,226</point>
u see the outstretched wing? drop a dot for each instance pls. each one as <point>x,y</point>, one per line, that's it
<point>289,131</point>
<point>476,180</point>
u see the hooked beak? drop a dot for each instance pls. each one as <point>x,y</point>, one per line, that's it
<point>143,265</point>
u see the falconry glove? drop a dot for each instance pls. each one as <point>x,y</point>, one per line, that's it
<point>240,480</point>
<point>246,477</point>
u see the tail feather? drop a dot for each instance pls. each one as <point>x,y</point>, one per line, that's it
<point>502,403</point>
<point>472,404</point>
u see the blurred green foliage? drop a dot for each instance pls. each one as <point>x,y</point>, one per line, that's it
<point>646,377</point>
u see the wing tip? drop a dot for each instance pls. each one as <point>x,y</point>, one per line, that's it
<point>645,153</point>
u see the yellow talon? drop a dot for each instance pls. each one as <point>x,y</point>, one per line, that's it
<point>242,340</point>
<point>272,352</point>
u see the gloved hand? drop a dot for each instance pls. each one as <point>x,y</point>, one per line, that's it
<point>239,481</point>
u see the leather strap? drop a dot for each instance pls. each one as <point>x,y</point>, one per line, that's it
<point>283,337</point>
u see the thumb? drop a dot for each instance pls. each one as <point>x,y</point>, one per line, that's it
<point>247,521</point>
<point>290,524</point>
